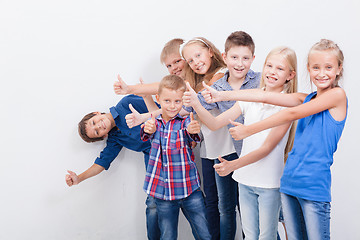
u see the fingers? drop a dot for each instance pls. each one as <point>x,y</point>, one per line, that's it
<point>141,80</point>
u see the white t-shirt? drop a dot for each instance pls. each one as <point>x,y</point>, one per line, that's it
<point>216,143</point>
<point>266,172</point>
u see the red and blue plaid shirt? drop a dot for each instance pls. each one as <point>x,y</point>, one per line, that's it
<point>171,173</point>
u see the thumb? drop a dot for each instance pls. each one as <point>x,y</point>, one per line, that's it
<point>132,109</point>
<point>119,78</point>
<point>234,123</point>
<point>190,89</point>
<point>206,86</point>
<point>71,172</point>
<point>221,159</point>
<point>192,116</point>
<point>141,80</point>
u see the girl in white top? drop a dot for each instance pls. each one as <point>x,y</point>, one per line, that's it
<point>260,166</point>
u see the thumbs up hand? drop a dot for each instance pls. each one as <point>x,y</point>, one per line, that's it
<point>134,118</point>
<point>194,126</point>
<point>224,167</point>
<point>190,96</point>
<point>120,87</point>
<point>150,125</point>
<point>237,132</point>
<point>210,94</point>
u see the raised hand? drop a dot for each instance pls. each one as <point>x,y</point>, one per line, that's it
<point>194,126</point>
<point>224,167</point>
<point>71,178</point>
<point>120,87</point>
<point>190,96</point>
<point>210,94</point>
<point>238,132</point>
<point>134,118</point>
<point>150,125</point>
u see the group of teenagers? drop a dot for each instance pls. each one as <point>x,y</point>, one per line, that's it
<point>265,148</point>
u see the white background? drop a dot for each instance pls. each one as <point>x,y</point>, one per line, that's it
<point>58,61</point>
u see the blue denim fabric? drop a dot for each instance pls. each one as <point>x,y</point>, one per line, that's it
<point>193,208</point>
<point>306,219</point>
<point>227,189</point>
<point>152,226</point>
<point>259,208</point>
<point>211,197</point>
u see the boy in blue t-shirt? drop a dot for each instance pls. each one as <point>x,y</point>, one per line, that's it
<point>96,127</point>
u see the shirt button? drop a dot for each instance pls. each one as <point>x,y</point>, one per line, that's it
<point>165,180</point>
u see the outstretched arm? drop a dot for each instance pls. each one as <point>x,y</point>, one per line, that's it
<point>74,179</point>
<point>334,100</point>
<point>213,123</point>
<point>274,137</point>
<point>253,95</point>
<point>121,88</point>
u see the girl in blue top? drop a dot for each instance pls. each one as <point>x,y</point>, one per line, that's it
<point>306,181</point>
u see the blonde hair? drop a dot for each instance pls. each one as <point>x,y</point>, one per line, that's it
<point>290,86</point>
<point>217,63</point>
<point>172,82</point>
<point>328,45</point>
<point>171,47</point>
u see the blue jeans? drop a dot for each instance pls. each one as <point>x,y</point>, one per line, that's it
<point>152,226</point>
<point>221,200</point>
<point>306,219</point>
<point>259,208</point>
<point>193,208</point>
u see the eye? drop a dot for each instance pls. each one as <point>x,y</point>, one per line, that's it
<point>281,69</point>
<point>268,65</point>
<point>190,61</point>
<point>178,101</point>
<point>168,66</point>
<point>246,58</point>
<point>329,67</point>
<point>178,61</point>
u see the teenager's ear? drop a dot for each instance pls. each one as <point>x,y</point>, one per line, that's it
<point>224,56</point>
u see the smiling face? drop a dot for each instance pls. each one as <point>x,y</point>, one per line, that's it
<point>170,102</point>
<point>323,67</point>
<point>238,60</point>
<point>175,64</point>
<point>276,73</point>
<point>198,57</point>
<point>98,126</point>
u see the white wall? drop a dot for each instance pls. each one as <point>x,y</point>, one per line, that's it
<point>58,61</point>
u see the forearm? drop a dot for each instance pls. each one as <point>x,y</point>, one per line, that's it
<point>250,158</point>
<point>205,116</point>
<point>144,89</point>
<point>150,103</point>
<point>94,170</point>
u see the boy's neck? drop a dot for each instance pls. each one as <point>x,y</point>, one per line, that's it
<point>235,83</point>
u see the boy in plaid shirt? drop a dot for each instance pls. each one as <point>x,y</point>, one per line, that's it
<point>171,176</point>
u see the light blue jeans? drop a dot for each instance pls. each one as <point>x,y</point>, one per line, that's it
<point>193,208</point>
<point>259,209</point>
<point>306,219</point>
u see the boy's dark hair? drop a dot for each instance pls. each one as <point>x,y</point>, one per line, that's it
<point>172,82</point>
<point>240,38</point>
<point>82,129</point>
